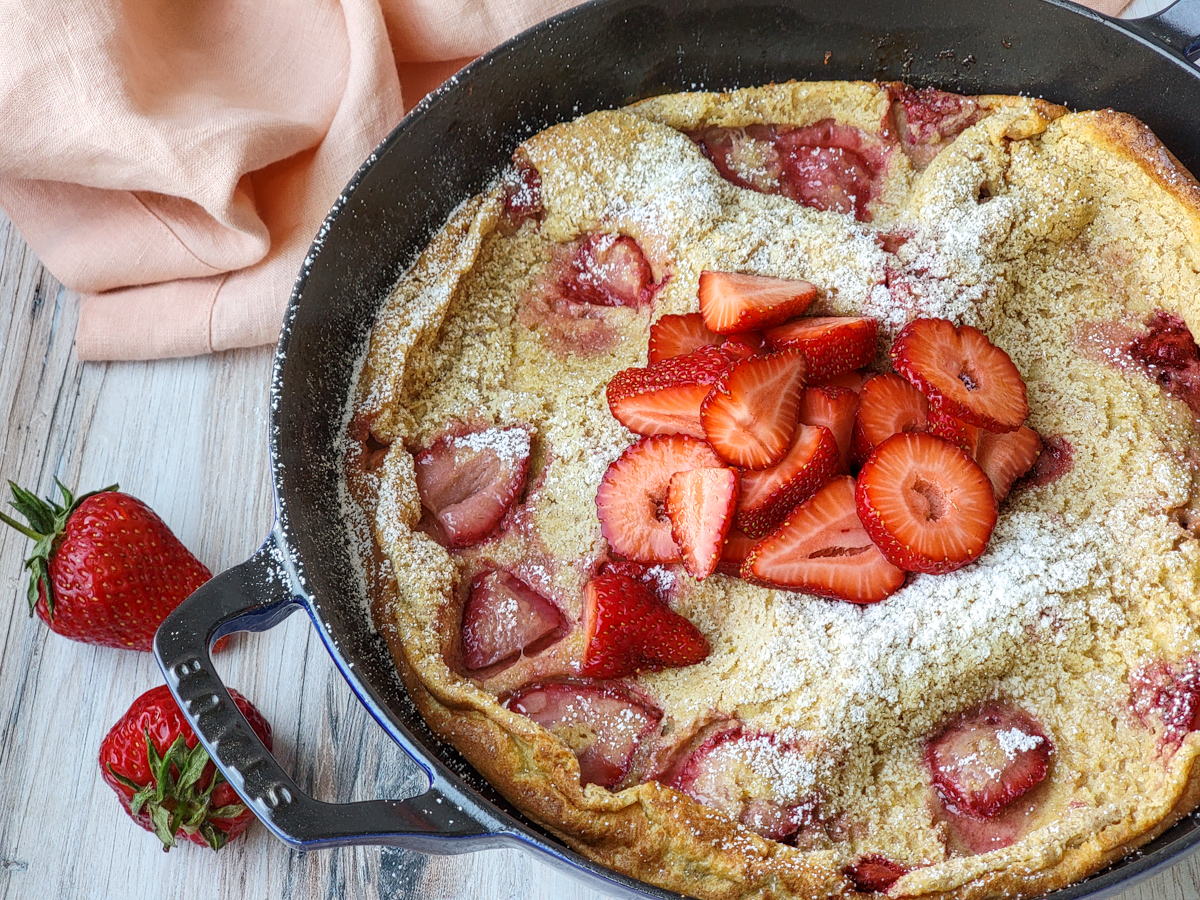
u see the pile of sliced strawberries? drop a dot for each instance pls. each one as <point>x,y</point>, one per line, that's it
<point>754,419</point>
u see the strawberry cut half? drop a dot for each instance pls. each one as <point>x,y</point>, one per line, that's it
<point>831,344</point>
<point>987,759</point>
<point>750,415</point>
<point>468,482</point>
<point>632,495</point>
<point>823,549</point>
<point>927,505</point>
<point>874,873</point>
<point>1007,456</point>
<point>665,398</point>
<point>608,270</point>
<point>835,408</point>
<point>678,335</point>
<point>627,629</point>
<point>700,504</point>
<point>769,495</point>
<point>887,405</point>
<point>505,617</point>
<point>731,303</point>
<point>962,372</point>
<point>602,724</point>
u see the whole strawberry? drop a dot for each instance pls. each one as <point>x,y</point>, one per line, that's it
<point>105,569</point>
<point>164,777</point>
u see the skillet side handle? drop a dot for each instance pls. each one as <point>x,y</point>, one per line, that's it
<point>1177,26</point>
<point>256,596</point>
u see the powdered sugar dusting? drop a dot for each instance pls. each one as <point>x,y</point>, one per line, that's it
<point>1013,741</point>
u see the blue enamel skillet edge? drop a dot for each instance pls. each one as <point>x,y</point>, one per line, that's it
<point>601,55</point>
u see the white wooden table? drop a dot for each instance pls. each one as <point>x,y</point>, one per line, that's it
<point>189,437</point>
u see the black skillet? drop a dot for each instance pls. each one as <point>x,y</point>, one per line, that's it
<point>601,55</point>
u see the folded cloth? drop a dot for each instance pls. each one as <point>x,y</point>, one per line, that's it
<point>172,161</point>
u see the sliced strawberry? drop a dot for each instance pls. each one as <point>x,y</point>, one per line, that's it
<point>852,380</point>
<point>834,408</point>
<point>963,372</point>
<point>887,405</point>
<point>731,303</point>
<point>928,120</point>
<point>831,344</point>
<point>874,873</point>
<point>633,491</point>
<point>737,547</point>
<point>504,617</point>
<point>744,345</point>
<point>627,629</point>
<point>750,415</point>
<point>700,505</point>
<point>675,335</point>
<point>1170,693</point>
<point>665,398</point>
<point>988,758</point>
<point>769,495</point>
<point>823,549</point>
<point>522,193</point>
<point>607,270</point>
<point>1007,456</point>
<point>602,724</point>
<point>926,504</point>
<point>469,481</point>
<point>942,424</point>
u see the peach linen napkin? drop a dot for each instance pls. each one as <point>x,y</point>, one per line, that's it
<point>171,161</point>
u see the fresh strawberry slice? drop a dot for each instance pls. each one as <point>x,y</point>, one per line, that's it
<point>744,345</point>
<point>823,549</point>
<point>963,372</point>
<point>852,380</point>
<point>942,424</point>
<point>874,873</point>
<point>700,505</point>
<point>988,758</point>
<point>630,499</point>
<point>926,504</point>
<point>608,270</point>
<point>750,415</point>
<point>469,481</point>
<point>627,629</point>
<point>665,398</point>
<point>1007,456</point>
<point>831,344</point>
<point>737,547</point>
<point>887,405</point>
<point>675,335</point>
<point>603,724</point>
<point>834,408</point>
<point>731,303</point>
<point>768,496</point>
<point>504,617</point>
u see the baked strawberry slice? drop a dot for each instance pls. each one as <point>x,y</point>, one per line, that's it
<point>665,398</point>
<point>734,551</point>
<point>469,481</point>
<point>608,270</point>
<point>962,372</point>
<point>835,408</point>
<point>831,344</point>
<point>988,758</point>
<point>941,424</point>
<point>1007,456</point>
<point>678,335</point>
<point>731,303</point>
<point>602,724</point>
<point>750,415</point>
<point>505,617</point>
<point>627,629</point>
<point>887,405</point>
<point>823,549</point>
<point>769,495</point>
<point>700,504</point>
<point>874,873</point>
<point>633,492</point>
<point>926,504</point>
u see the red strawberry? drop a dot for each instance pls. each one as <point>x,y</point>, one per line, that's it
<point>853,380</point>
<point>164,778</point>
<point>737,547</point>
<point>942,424</point>
<point>105,569</point>
<point>522,193</point>
<point>603,724</point>
<point>675,335</point>
<point>831,344</point>
<point>744,345</point>
<point>887,405</point>
<point>834,408</point>
<point>608,270</point>
<point>873,873</point>
<point>823,549</point>
<point>768,496</point>
<point>469,481</point>
<point>665,398</point>
<point>731,303</point>
<point>963,372</point>
<point>925,503</point>
<point>632,493</point>
<point>700,505</point>
<point>750,415</point>
<point>627,629</point>
<point>988,758</point>
<point>1006,457</point>
<point>504,617</point>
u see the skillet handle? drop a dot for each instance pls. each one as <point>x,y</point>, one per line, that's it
<point>256,596</point>
<point>1177,26</point>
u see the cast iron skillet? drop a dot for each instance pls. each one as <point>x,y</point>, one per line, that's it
<point>601,55</point>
